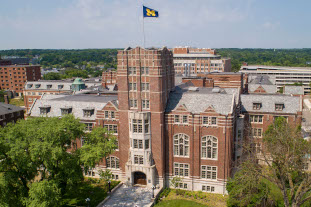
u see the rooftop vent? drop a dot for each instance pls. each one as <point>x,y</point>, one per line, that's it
<point>216,90</point>
<point>193,89</point>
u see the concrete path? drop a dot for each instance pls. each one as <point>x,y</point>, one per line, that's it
<point>130,196</point>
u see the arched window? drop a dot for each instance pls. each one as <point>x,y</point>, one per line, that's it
<point>181,145</point>
<point>112,162</point>
<point>209,147</point>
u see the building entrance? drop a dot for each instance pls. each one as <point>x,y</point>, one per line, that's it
<point>140,178</point>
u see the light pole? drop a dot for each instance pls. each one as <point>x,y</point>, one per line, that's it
<point>109,183</point>
<point>153,187</point>
<point>88,202</point>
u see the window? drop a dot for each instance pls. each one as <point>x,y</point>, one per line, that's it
<point>144,71</point>
<point>60,87</point>
<point>30,100</point>
<point>112,162</point>
<point>208,172</point>
<point>88,127</point>
<point>132,86</point>
<point>176,119</point>
<point>209,121</point>
<point>209,147</point>
<point>88,112</point>
<point>207,188</point>
<point>65,111</point>
<point>45,110</point>
<point>147,144</point>
<point>145,104</point>
<point>138,159</point>
<point>145,87</point>
<point>112,114</point>
<point>132,71</point>
<point>181,145</point>
<point>106,114</point>
<point>256,132</point>
<point>182,185</point>
<point>185,119</point>
<point>48,86</point>
<point>146,126</point>
<point>256,106</point>
<point>113,128</point>
<point>239,134</point>
<point>138,143</point>
<point>137,126</point>
<point>256,118</point>
<point>181,169</point>
<point>133,103</point>
<point>279,107</point>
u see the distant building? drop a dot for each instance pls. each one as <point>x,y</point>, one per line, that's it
<point>191,61</point>
<point>13,77</point>
<point>109,77</point>
<point>33,90</point>
<point>282,75</point>
<point>10,114</point>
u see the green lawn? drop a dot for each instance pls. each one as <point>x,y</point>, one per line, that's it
<point>179,203</point>
<point>172,197</point>
<point>17,102</point>
<point>96,192</point>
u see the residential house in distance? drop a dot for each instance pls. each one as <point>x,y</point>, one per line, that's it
<point>192,61</point>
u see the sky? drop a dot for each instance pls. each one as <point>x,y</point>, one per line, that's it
<point>79,24</point>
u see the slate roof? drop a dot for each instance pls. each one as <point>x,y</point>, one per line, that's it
<point>198,101</point>
<point>77,102</point>
<point>296,90</point>
<point>8,108</point>
<point>292,104</point>
<point>267,88</point>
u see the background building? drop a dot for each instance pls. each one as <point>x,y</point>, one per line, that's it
<point>13,77</point>
<point>10,114</point>
<point>282,75</point>
<point>191,61</point>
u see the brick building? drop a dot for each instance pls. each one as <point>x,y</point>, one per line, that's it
<point>192,61</point>
<point>165,130</point>
<point>109,77</point>
<point>13,77</point>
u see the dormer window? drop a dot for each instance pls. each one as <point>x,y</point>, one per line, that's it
<point>209,120</point>
<point>256,106</point>
<point>88,112</point>
<point>38,85</point>
<point>279,106</point>
<point>29,85</point>
<point>60,87</point>
<point>65,111</point>
<point>44,110</point>
<point>49,86</point>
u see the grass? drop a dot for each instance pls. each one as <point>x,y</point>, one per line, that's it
<point>172,197</point>
<point>17,102</point>
<point>179,203</point>
<point>97,192</point>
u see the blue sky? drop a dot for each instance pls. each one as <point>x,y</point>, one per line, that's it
<point>118,23</point>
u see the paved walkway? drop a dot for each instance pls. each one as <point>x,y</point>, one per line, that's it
<point>130,196</point>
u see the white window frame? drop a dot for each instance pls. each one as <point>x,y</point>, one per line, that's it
<point>255,119</point>
<point>113,162</point>
<point>208,171</point>
<point>181,169</point>
<point>207,148</point>
<point>209,121</point>
<point>183,146</point>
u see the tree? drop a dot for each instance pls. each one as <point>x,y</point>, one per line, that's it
<point>105,175</point>
<point>39,159</point>
<point>52,76</point>
<point>175,181</point>
<point>281,162</point>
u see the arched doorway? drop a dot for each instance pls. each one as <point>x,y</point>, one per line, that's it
<point>140,178</point>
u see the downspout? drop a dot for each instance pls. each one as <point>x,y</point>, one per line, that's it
<point>224,188</point>
<point>192,166</point>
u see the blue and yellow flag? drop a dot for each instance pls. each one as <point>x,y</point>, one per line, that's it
<point>150,12</point>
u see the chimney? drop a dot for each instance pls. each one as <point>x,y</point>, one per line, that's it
<point>6,99</point>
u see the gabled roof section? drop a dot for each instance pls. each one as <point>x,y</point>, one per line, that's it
<point>181,107</point>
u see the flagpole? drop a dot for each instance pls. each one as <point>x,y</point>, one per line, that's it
<point>143,28</point>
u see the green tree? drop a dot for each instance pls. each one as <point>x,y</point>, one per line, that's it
<point>281,163</point>
<point>52,76</point>
<point>39,155</point>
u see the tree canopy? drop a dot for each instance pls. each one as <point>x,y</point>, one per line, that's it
<point>280,163</point>
<point>40,162</point>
